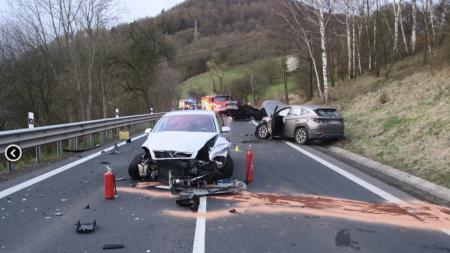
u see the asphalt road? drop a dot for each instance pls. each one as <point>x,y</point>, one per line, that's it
<point>297,203</point>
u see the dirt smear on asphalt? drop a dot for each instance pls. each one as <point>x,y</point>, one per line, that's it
<point>146,192</point>
<point>417,214</point>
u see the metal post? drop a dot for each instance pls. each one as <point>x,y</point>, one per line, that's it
<point>59,149</point>
<point>10,166</point>
<point>100,137</point>
<point>38,154</point>
<point>90,140</point>
<point>76,143</point>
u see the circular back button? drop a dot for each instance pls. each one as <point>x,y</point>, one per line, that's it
<point>13,153</point>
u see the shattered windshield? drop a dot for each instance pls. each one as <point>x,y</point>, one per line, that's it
<point>187,123</point>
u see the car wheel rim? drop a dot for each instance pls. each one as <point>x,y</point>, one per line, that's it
<point>263,131</point>
<point>301,136</point>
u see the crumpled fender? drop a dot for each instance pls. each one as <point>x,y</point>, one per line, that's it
<point>220,149</point>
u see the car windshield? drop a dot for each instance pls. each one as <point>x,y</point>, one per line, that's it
<point>329,113</point>
<point>222,98</point>
<point>187,123</point>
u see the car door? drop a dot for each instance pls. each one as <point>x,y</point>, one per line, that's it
<point>290,121</point>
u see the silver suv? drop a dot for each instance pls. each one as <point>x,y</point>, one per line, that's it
<point>301,122</point>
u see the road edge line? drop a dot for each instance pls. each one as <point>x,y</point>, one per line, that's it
<point>368,186</point>
<point>200,227</point>
<point>40,178</point>
<point>427,187</point>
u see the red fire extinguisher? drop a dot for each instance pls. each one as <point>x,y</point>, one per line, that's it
<point>249,165</point>
<point>110,184</point>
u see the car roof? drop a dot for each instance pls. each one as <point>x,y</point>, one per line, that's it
<point>191,112</point>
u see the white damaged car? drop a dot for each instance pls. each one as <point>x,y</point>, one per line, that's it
<point>185,148</point>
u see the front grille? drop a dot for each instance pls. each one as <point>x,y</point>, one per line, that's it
<point>171,154</point>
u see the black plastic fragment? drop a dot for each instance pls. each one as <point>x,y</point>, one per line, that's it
<point>85,228</point>
<point>113,246</point>
<point>192,201</point>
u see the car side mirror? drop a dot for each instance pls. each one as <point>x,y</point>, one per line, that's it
<point>148,131</point>
<point>226,129</point>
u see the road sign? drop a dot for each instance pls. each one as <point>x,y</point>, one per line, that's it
<point>13,153</point>
<point>30,120</point>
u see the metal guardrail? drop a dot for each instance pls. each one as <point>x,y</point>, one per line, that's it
<point>32,137</point>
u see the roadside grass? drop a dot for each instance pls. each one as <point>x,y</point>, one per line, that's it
<point>402,121</point>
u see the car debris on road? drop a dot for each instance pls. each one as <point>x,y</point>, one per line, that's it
<point>85,228</point>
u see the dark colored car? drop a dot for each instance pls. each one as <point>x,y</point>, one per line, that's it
<point>301,122</point>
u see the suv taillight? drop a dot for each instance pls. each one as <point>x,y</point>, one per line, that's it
<point>320,121</point>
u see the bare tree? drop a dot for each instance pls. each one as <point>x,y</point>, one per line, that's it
<point>413,26</point>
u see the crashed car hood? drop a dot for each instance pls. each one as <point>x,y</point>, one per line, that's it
<point>183,142</point>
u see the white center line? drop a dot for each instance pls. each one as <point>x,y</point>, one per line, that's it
<point>49,174</point>
<point>200,226</point>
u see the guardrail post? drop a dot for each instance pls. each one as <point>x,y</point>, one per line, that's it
<point>59,148</point>
<point>38,154</point>
<point>76,143</point>
<point>100,137</point>
<point>10,166</point>
<point>90,140</point>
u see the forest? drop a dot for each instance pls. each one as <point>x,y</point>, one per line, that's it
<point>73,60</point>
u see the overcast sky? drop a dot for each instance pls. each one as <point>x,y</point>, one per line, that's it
<point>133,9</point>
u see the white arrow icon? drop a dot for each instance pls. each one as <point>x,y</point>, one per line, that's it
<point>11,153</point>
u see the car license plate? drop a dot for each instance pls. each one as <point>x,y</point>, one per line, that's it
<point>335,122</point>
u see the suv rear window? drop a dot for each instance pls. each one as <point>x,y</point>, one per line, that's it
<point>329,113</point>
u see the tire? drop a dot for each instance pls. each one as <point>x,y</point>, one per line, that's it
<point>133,169</point>
<point>228,169</point>
<point>262,131</point>
<point>301,136</point>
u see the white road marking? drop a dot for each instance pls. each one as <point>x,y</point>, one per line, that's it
<point>49,174</point>
<point>374,189</point>
<point>254,122</point>
<point>200,226</point>
<point>385,195</point>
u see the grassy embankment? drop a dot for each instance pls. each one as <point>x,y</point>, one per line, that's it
<point>402,121</point>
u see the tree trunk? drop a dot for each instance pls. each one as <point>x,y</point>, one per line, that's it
<point>323,45</point>
<point>375,19</point>
<point>402,27</point>
<point>359,48</point>
<point>414,26</point>
<point>349,40</point>
<point>367,23</point>
<point>286,95</point>
<point>432,23</point>
<point>353,45</point>
<point>396,12</point>
<point>309,89</point>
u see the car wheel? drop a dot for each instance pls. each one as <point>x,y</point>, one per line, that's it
<point>133,169</point>
<point>228,169</point>
<point>301,136</point>
<point>262,131</point>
